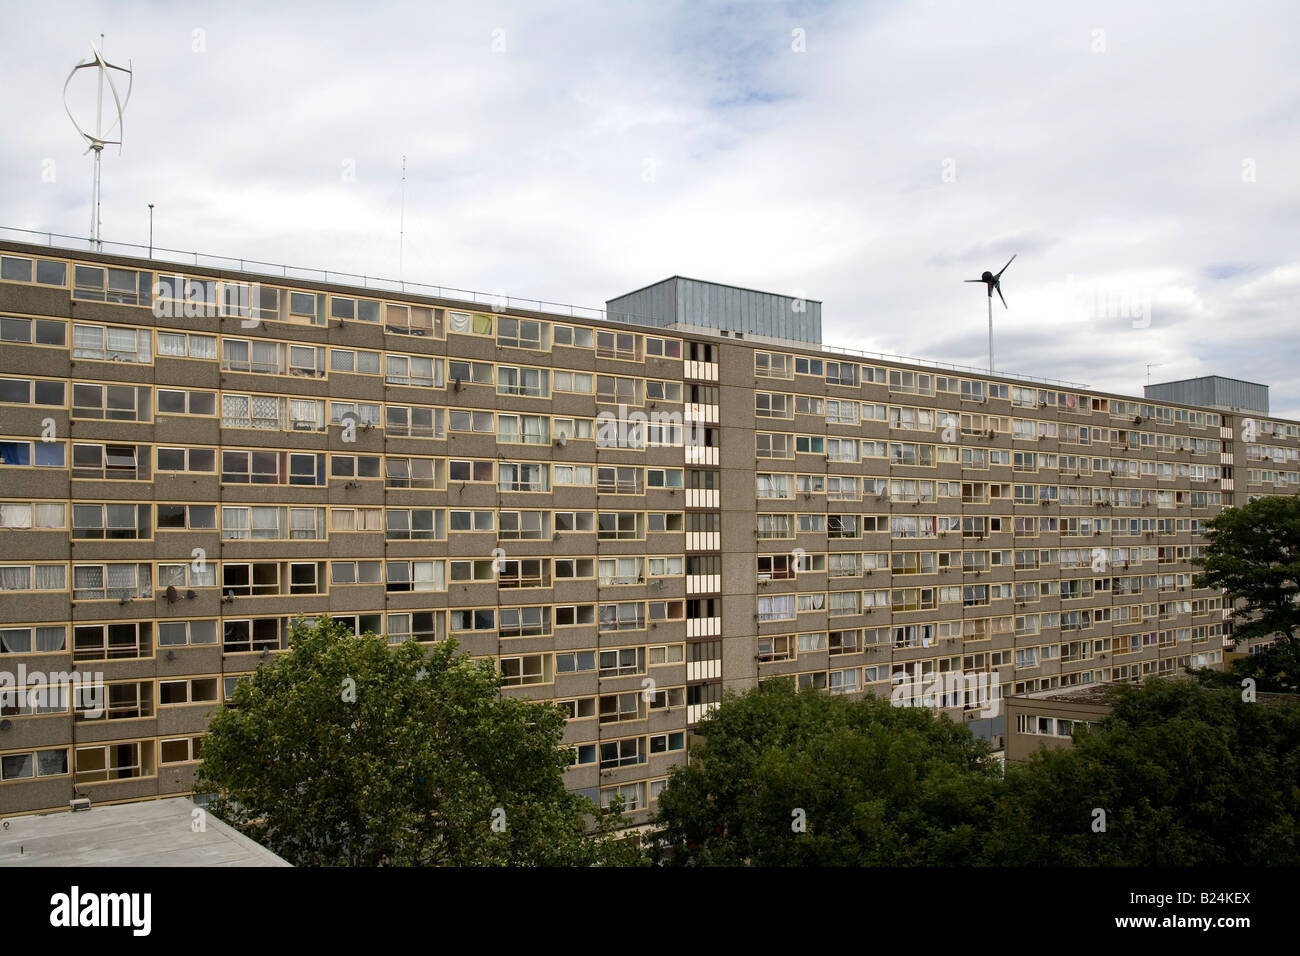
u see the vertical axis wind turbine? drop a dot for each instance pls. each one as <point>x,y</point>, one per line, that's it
<point>99,139</point>
<point>994,282</point>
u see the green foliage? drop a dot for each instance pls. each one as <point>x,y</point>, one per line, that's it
<point>1188,776</point>
<point>1254,552</point>
<point>877,784</point>
<point>1274,668</point>
<point>347,751</point>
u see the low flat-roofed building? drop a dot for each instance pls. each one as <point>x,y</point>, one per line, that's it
<point>1048,718</point>
<point>167,832</point>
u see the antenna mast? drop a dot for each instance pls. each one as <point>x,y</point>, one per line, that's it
<point>99,139</point>
<point>401,227</point>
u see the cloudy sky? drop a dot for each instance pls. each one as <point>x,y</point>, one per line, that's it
<point>1140,160</point>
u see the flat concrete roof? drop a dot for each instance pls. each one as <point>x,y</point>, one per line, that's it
<point>1098,693</point>
<point>148,833</point>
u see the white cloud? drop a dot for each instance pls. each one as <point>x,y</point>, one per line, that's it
<point>611,145</point>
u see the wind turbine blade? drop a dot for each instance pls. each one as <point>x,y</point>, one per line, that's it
<point>972,280</point>
<point>1004,268</point>
<point>1004,301</point>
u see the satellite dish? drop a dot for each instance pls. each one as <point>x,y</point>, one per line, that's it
<point>171,594</point>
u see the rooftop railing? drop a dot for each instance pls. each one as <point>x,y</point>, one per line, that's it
<point>493,300</point>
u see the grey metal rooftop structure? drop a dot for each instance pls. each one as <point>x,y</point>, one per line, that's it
<point>679,301</point>
<point>149,833</point>
<point>1214,391</point>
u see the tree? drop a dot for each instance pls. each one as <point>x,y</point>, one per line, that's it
<point>346,751</point>
<point>785,778</point>
<point>1186,775</point>
<point>1254,553</point>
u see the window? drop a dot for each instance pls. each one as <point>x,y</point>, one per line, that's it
<point>178,517</point>
<point>472,373</point>
<point>574,337</point>
<point>522,429</point>
<point>243,355</point>
<point>410,421</point>
<point>38,763</point>
<point>178,402</point>
<point>348,360</point>
<point>32,331</point>
<point>187,633</point>
<point>622,662</point>
<point>842,373</point>
<point>523,476</point>
<point>25,391</point>
<point>181,345</point>
<point>466,323</point>
<point>122,286</point>
<point>777,607</point>
<point>412,370</point>
<point>521,333</point>
<point>127,403</point>
<point>19,269</point>
<point>581,383</point>
<point>248,636</point>
<point>618,525</point>
<point>412,472</point>
<point>423,626</point>
<point>111,343</point>
<point>414,524</point>
<point>616,390</point>
<point>416,576</point>
<point>522,525</point>
<point>575,662</point>
<point>356,572</point>
<point>194,690</point>
<point>521,671</point>
<point>524,622</point>
<point>413,320</point>
<point>618,345</point>
<point>632,796</point>
<point>772,405</point>
<point>39,639</point>
<point>773,365</point>
<point>110,520</point>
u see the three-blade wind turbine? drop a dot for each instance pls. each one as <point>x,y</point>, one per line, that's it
<point>97,140</point>
<point>994,282</point>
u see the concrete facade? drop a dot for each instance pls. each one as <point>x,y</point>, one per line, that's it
<point>630,521</point>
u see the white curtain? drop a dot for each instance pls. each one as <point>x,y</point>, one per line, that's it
<point>265,522</point>
<point>16,640</point>
<point>49,515</point>
<point>15,515</point>
<point>305,411</point>
<point>170,343</point>
<point>51,577</point>
<point>302,522</point>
